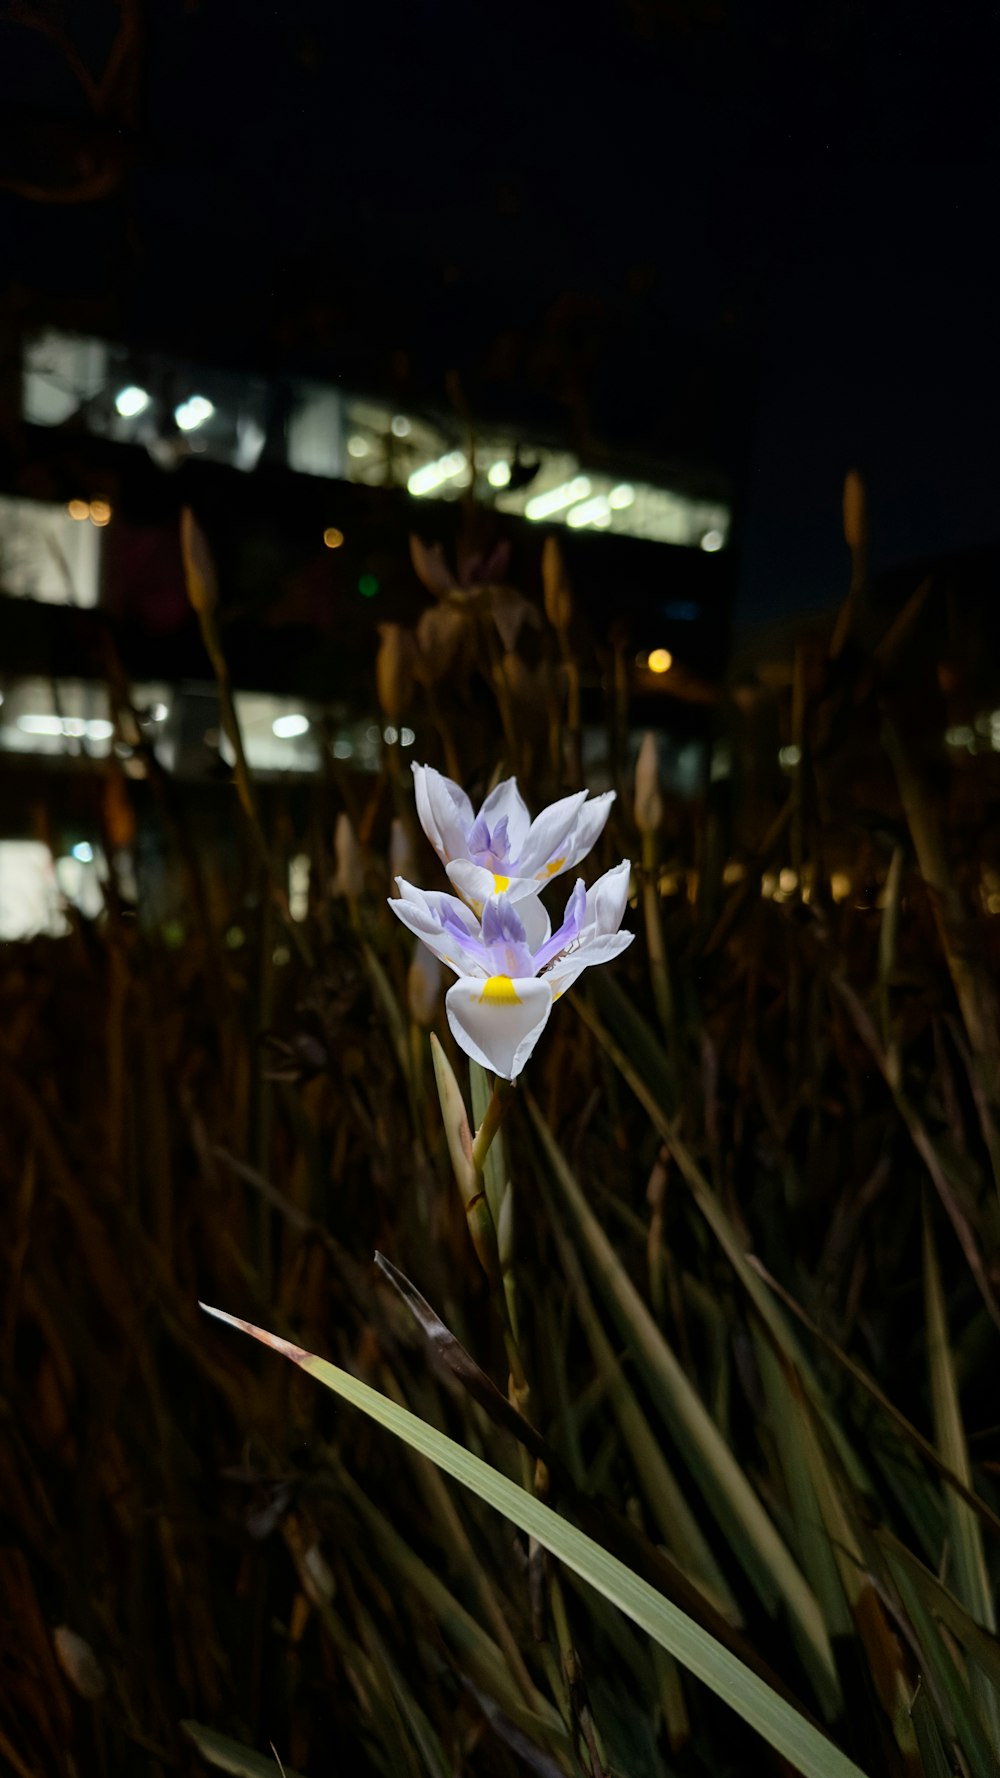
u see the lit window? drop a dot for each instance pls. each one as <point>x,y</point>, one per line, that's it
<point>46,554</point>
<point>29,892</point>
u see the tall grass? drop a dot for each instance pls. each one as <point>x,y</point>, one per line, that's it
<point>731,1309</point>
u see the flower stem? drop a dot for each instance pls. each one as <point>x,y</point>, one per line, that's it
<point>500,1098</point>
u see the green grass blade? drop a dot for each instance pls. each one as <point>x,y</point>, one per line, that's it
<point>972,1581</point>
<point>230,1756</point>
<point>719,1222</point>
<point>933,1753</point>
<point>942,1675</point>
<point>784,1727</point>
<point>765,1557</point>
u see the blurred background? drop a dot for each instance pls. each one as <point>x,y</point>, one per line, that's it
<point>381,385</point>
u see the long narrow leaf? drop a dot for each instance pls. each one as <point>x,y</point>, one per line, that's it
<point>972,1581</point>
<point>785,1728</point>
<point>767,1560</point>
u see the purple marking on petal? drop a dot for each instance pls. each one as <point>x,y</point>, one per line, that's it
<point>499,844</point>
<point>502,923</point>
<point>451,923</point>
<point>569,931</point>
<point>479,837</point>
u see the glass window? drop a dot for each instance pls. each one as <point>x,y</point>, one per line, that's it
<point>51,553</point>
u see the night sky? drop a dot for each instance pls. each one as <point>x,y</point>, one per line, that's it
<point>807,195</point>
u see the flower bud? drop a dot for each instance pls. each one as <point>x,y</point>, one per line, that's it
<point>349,878</point>
<point>199,568</point>
<point>401,860</point>
<point>648,801</point>
<point>855,512</point>
<point>440,630</point>
<point>79,1663</point>
<point>394,666</point>
<point>555,586</point>
<point>423,986</point>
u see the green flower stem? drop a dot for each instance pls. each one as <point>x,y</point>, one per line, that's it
<point>500,1100</point>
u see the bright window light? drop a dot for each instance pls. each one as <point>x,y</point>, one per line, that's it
<point>400,426</point>
<point>591,512</point>
<point>358,446</point>
<point>41,725</point>
<point>499,474</point>
<point>194,412</point>
<point>298,885</point>
<point>131,401</point>
<point>342,749</point>
<point>434,475</point>
<point>542,506</point>
<point>660,660</point>
<point>407,737</point>
<point>287,727</point>
<point>29,893</point>
<point>98,729</point>
<point>789,757</point>
<point>83,851</point>
<point>78,509</point>
<point>712,540</point>
<point>622,496</point>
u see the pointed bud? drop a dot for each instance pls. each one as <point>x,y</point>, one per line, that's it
<point>648,801</point>
<point>394,666</point>
<point>855,513</point>
<point>440,630</point>
<point>199,568</point>
<point>467,1177</point>
<point>79,1662</point>
<point>555,585</point>
<point>423,986</point>
<point>430,565</point>
<point>349,878</point>
<point>456,1123</point>
<point>401,859</point>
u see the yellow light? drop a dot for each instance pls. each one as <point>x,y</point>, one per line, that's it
<point>78,509</point>
<point>332,537</point>
<point>660,661</point>
<point>100,512</point>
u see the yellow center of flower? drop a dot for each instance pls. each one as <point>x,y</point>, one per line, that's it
<point>500,883</point>
<point>499,991</point>
<point>554,866</point>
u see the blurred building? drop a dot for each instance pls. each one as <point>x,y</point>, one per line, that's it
<point>308,492</point>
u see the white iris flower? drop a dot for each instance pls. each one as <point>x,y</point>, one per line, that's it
<point>511,966</point>
<point>501,850</point>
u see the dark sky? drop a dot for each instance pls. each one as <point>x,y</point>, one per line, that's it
<point>808,192</point>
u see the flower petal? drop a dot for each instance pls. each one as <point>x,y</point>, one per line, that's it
<point>563,974</point>
<point>426,915</point>
<point>498,1022</point>
<point>590,824</point>
<point>607,899</point>
<point>477,883</point>
<point>444,811</point>
<point>570,930</point>
<point>534,918</point>
<point>548,841</point>
<point>507,800</point>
